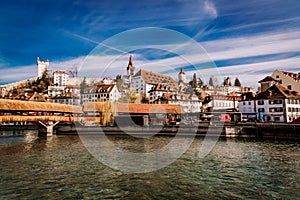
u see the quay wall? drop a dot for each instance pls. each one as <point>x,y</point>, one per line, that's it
<point>240,130</point>
<point>246,130</point>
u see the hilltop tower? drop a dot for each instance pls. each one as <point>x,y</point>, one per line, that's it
<point>42,66</point>
<point>182,76</point>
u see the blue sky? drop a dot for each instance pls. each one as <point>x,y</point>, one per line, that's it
<point>245,39</point>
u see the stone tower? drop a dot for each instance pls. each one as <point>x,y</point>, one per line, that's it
<point>42,66</point>
<point>182,76</point>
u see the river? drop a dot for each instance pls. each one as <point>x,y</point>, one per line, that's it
<point>60,167</point>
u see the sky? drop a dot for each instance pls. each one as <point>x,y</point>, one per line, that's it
<point>244,39</point>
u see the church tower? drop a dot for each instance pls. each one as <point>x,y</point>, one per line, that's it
<point>42,66</point>
<point>130,67</point>
<point>182,76</point>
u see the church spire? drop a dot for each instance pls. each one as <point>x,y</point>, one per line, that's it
<point>182,76</point>
<point>130,67</point>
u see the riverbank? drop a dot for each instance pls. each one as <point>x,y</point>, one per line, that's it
<point>239,130</point>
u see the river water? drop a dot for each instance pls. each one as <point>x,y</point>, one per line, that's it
<point>60,167</point>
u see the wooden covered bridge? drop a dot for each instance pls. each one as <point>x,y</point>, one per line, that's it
<point>45,113</point>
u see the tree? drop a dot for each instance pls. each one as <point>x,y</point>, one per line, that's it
<point>227,81</point>
<point>130,96</point>
<point>43,83</point>
<point>199,94</point>
<point>237,83</point>
<point>83,85</point>
<point>118,77</point>
<point>193,82</point>
<point>145,100</point>
<point>199,82</point>
<point>211,81</point>
<point>189,90</point>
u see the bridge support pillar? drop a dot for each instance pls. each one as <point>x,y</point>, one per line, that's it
<point>49,127</point>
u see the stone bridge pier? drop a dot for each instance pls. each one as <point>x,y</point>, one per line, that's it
<point>49,127</point>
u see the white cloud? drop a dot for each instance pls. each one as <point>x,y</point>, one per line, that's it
<point>17,74</point>
<point>210,8</point>
<point>264,44</point>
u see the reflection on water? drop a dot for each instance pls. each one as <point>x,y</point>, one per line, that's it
<point>61,168</point>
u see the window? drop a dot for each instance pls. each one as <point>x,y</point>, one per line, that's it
<point>261,110</point>
<point>249,102</point>
<point>277,76</point>
<point>276,119</point>
<point>279,109</point>
<point>244,103</point>
<point>289,87</point>
<point>260,102</point>
<point>276,109</point>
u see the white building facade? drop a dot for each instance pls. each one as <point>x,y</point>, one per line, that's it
<point>221,102</point>
<point>189,104</point>
<point>144,80</point>
<point>277,104</point>
<point>60,78</point>
<point>55,90</point>
<point>101,93</point>
<point>289,80</point>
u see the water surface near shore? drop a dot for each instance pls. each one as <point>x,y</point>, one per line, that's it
<point>61,168</point>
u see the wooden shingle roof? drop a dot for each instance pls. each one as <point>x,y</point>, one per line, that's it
<point>16,105</point>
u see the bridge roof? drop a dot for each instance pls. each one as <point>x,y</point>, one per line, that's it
<point>16,105</point>
<point>132,108</point>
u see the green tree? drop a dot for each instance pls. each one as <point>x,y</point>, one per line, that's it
<point>193,82</point>
<point>237,83</point>
<point>43,82</point>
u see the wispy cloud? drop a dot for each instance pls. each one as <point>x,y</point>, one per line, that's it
<point>210,8</point>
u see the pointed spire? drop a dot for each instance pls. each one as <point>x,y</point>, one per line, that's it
<point>130,60</point>
<point>130,64</point>
<point>181,71</point>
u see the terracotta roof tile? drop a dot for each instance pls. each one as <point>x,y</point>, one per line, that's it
<point>155,78</point>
